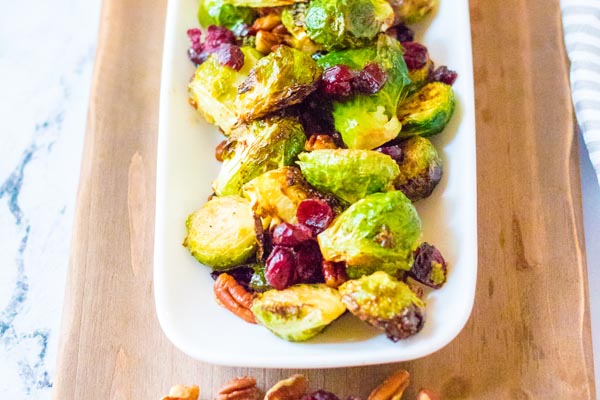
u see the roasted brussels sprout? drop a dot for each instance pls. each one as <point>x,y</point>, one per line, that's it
<point>368,121</point>
<point>298,312</point>
<point>429,267</point>
<point>261,3</point>
<point>213,89</point>
<point>283,78</point>
<point>221,233</point>
<point>276,194</point>
<point>341,24</point>
<point>420,168</point>
<point>218,12</point>
<point>379,232</point>
<point>418,62</point>
<point>427,111</point>
<point>349,174</point>
<point>292,18</point>
<point>385,303</point>
<point>256,148</point>
<point>412,11</point>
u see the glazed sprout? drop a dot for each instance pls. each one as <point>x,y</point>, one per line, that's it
<point>427,111</point>
<point>221,233</point>
<point>213,89</point>
<point>367,121</point>
<point>429,267</point>
<point>256,148</point>
<point>412,11</point>
<point>420,168</point>
<point>348,174</point>
<point>386,303</point>
<point>292,18</point>
<point>341,24</point>
<point>298,312</point>
<point>281,79</point>
<point>377,233</point>
<point>218,12</point>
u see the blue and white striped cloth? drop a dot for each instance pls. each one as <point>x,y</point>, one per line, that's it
<point>581,24</point>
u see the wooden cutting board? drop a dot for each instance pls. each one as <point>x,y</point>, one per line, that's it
<point>529,333</point>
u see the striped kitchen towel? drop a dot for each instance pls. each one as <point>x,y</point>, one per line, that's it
<point>581,24</point>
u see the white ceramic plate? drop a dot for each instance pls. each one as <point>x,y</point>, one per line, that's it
<point>188,314</point>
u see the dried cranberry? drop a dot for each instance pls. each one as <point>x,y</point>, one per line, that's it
<point>370,79</point>
<point>231,56</point>
<point>320,395</point>
<point>315,214</point>
<point>444,75</point>
<point>393,151</point>
<point>286,234</point>
<point>308,262</point>
<point>404,33</point>
<point>415,55</point>
<point>337,81</point>
<point>216,36</point>
<point>429,266</point>
<point>280,267</point>
<point>195,35</point>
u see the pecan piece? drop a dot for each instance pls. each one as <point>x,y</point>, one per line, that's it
<point>392,388</point>
<point>426,394</point>
<point>266,23</point>
<point>234,297</point>
<point>181,392</point>
<point>320,141</point>
<point>241,388</point>
<point>334,273</point>
<point>291,388</point>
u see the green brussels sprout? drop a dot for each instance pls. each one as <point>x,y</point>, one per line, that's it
<point>341,24</point>
<point>420,168</point>
<point>292,18</point>
<point>298,312</point>
<point>385,303</point>
<point>368,121</point>
<point>256,148</point>
<point>377,233</point>
<point>349,174</point>
<point>427,111</point>
<point>217,12</point>
<point>261,3</point>
<point>213,89</point>
<point>283,78</point>
<point>412,11</point>
<point>221,233</point>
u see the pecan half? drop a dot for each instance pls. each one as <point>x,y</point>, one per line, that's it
<point>319,142</point>
<point>334,273</point>
<point>241,388</point>
<point>392,388</point>
<point>181,392</point>
<point>291,388</point>
<point>426,394</point>
<point>234,297</point>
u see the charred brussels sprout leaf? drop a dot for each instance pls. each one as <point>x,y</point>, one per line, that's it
<point>420,168</point>
<point>427,111</point>
<point>213,89</point>
<point>412,11</point>
<point>298,312</point>
<point>385,303</point>
<point>349,174</point>
<point>379,232</point>
<point>256,148</point>
<point>368,121</point>
<point>283,78</point>
<point>292,18</point>
<point>218,12</point>
<point>221,233</point>
<point>341,24</point>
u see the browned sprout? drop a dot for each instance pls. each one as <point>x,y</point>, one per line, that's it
<point>420,168</point>
<point>429,267</point>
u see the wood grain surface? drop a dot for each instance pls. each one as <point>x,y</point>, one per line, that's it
<point>529,333</point>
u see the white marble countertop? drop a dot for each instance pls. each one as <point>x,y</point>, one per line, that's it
<point>46,75</point>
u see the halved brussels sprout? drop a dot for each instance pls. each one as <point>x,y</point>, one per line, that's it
<point>221,233</point>
<point>283,78</point>
<point>385,303</point>
<point>420,168</point>
<point>427,111</point>
<point>213,89</point>
<point>298,312</point>
<point>292,18</point>
<point>217,12</point>
<point>349,174</point>
<point>412,11</point>
<point>377,233</point>
<point>261,3</point>
<point>368,121</point>
<point>256,148</point>
<point>341,24</point>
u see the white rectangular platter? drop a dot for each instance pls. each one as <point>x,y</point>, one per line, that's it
<point>187,311</point>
